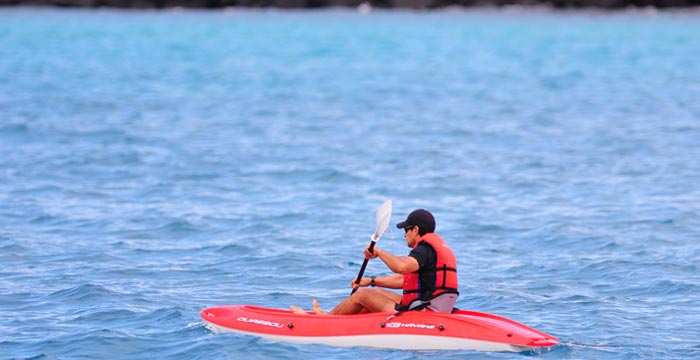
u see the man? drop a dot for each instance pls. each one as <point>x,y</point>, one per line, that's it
<point>428,275</point>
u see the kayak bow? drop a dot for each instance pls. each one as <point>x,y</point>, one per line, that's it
<point>411,330</point>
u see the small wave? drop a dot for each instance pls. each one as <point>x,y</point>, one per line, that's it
<point>560,347</point>
<point>44,219</point>
<point>14,129</point>
<point>12,248</point>
<point>104,317</point>
<point>13,299</point>
<point>82,293</point>
<point>664,288</point>
<point>179,227</point>
<point>97,135</point>
<point>161,315</point>
<point>35,357</point>
<point>93,258</point>
<point>234,249</point>
<point>196,324</point>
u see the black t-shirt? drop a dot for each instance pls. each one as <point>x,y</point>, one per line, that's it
<point>427,259</point>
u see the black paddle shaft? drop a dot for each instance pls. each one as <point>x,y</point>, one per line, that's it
<point>364,266</point>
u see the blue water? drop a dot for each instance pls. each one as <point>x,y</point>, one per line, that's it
<point>156,163</point>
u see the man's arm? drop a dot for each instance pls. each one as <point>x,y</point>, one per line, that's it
<point>394,281</point>
<point>397,264</point>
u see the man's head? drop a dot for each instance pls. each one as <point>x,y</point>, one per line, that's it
<point>420,218</point>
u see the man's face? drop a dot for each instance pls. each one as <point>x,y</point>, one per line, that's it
<point>411,235</point>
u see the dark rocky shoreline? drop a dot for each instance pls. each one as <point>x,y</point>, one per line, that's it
<point>382,4</point>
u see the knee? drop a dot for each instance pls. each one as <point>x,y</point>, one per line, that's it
<point>366,293</point>
<point>362,292</point>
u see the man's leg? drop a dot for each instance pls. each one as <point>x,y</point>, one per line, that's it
<point>367,300</point>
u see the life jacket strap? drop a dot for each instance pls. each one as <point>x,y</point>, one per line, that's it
<point>444,269</point>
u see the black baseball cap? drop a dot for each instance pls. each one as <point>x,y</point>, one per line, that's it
<point>421,217</point>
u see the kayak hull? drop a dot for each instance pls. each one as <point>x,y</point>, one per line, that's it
<point>413,330</point>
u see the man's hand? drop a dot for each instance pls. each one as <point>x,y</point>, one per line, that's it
<point>373,254</point>
<point>363,282</point>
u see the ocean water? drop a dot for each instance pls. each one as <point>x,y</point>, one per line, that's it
<point>153,163</point>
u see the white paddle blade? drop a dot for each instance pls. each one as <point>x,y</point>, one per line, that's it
<point>383,217</point>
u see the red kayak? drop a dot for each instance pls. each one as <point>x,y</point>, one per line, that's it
<point>411,330</point>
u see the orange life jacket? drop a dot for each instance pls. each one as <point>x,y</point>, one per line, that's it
<point>445,273</point>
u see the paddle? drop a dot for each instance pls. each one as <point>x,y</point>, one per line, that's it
<point>383,217</point>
